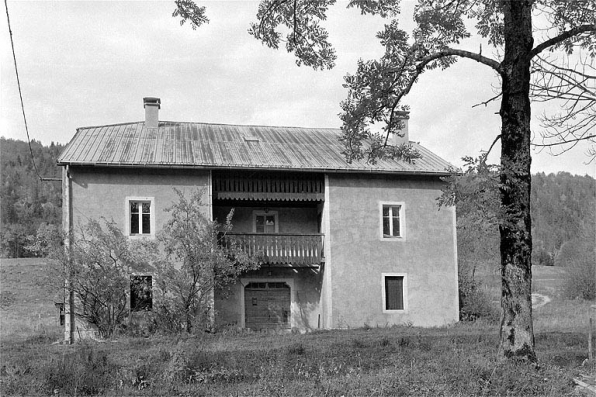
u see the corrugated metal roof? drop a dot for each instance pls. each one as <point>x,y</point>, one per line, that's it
<point>228,146</point>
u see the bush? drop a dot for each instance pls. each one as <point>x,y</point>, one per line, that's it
<point>86,372</point>
<point>578,257</point>
<point>474,303</point>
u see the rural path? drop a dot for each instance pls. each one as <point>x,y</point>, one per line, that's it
<point>539,300</point>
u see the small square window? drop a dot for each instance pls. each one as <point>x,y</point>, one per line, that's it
<point>265,222</point>
<point>141,293</point>
<point>392,221</point>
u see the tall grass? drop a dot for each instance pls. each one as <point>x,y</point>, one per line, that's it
<point>459,360</point>
<point>453,361</point>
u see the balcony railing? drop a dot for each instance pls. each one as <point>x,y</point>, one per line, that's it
<point>281,249</point>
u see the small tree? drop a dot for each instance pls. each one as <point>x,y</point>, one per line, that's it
<point>96,264</point>
<point>578,257</point>
<point>475,192</point>
<point>199,260</point>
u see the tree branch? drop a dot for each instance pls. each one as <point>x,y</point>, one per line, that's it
<point>566,141</point>
<point>485,156</point>
<point>562,37</point>
<point>488,100</point>
<point>462,54</point>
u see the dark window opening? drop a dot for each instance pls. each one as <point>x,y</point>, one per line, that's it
<point>394,293</point>
<point>141,293</point>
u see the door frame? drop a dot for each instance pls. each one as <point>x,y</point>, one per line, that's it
<point>293,304</point>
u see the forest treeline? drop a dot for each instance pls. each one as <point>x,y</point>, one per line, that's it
<point>563,205</point>
<point>26,201</point>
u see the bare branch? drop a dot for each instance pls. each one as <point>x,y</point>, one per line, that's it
<point>574,87</point>
<point>485,155</point>
<point>564,142</point>
<point>489,100</point>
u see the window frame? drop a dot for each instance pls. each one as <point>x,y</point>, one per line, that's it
<point>404,292</point>
<point>152,213</point>
<point>256,213</point>
<point>402,220</point>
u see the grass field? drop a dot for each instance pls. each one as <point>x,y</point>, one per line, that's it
<point>26,299</point>
<point>459,360</point>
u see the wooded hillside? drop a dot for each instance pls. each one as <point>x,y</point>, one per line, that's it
<point>27,202</point>
<point>563,210</point>
<point>563,205</point>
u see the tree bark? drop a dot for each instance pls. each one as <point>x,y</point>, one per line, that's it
<point>516,334</point>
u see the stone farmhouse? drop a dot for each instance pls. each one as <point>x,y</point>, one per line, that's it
<point>344,244</point>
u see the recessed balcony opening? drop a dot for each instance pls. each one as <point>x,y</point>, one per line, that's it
<point>277,216</point>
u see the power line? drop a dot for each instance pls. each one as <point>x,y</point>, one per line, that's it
<point>20,93</point>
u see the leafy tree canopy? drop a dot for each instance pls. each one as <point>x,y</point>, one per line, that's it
<point>521,31</point>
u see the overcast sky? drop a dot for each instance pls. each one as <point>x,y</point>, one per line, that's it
<point>90,63</point>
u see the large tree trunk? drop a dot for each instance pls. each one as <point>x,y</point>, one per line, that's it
<point>516,335</point>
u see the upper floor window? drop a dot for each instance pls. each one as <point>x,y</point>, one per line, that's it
<point>392,220</point>
<point>265,222</point>
<point>140,213</point>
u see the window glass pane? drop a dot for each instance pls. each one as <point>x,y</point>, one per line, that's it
<point>394,290</point>
<point>134,207</point>
<point>385,210</point>
<point>386,231</point>
<point>134,223</point>
<point>270,224</point>
<point>260,224</point>
<point>146,224</point>
<point>146,208</point>
<point>396,226</point>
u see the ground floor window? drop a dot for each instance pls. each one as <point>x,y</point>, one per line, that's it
<point>393,292</point>
<point>141,293</point>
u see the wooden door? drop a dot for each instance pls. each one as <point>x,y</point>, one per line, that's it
<point>267,305</point>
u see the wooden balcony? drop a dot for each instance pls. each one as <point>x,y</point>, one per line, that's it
<point>294,250</point>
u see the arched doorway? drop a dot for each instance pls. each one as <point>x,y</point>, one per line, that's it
<point>267,305</point>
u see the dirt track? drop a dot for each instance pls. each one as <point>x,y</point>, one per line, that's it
<point>539,300</point>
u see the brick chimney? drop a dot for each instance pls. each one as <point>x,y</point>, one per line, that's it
<point>152,106</point>
<point>396,140</point>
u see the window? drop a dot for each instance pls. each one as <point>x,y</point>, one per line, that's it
<point>265,222</point>
<point>392,221</point>
<point>394,292</point>
<point>141,293</point>
<point>140,216</point>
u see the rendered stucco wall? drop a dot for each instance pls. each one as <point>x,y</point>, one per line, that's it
<point>359,256</point>
<point>291,220</point>
<point>305,297</point>
<point>97,192</point>
<point>102,192</point>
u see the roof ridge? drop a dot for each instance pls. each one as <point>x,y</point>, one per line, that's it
<point>209,123</point>
<point>108,125</point>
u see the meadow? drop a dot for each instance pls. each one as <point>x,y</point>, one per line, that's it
<point>458,360</point>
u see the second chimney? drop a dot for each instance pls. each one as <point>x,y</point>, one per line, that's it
<point>397,140</point>
<point>152,106</point>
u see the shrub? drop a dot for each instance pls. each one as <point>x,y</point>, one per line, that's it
<point>199,260</point>
<point>86,372</point>
<point>474,303</point>
<point>579,259</point>
<point>297,349</point>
